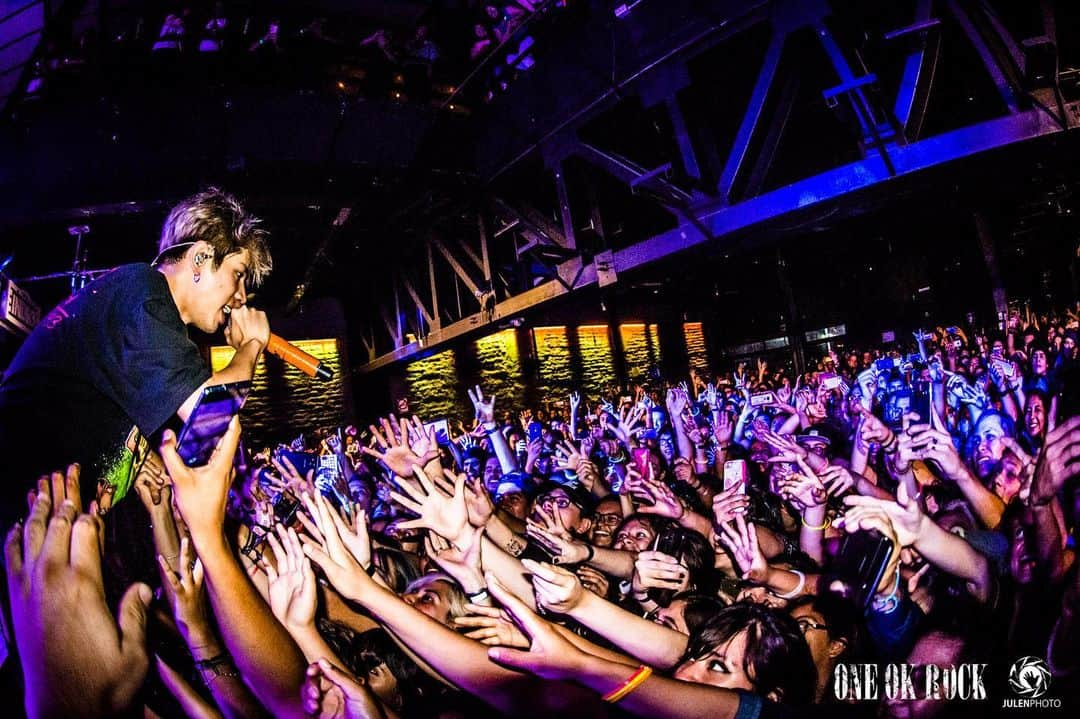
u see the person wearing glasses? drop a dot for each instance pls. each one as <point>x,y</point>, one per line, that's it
<point>830,625</point>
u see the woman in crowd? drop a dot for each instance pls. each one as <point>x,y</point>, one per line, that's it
<point>698,550</point>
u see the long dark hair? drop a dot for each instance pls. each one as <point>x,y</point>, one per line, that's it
<point>777,659</point>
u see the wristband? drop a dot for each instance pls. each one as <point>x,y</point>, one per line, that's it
<point>798,588</point>
<point>592,553</point>
<point>632,682</point>
<point>370,569</point>
<point>478,597</point>
<point>888,603</point>
<point>490,427</point>
<point>822,528</point>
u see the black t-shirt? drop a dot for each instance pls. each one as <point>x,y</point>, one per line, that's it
<point>100,373</point>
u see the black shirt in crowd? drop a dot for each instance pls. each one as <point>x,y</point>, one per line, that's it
<point>106,369</point>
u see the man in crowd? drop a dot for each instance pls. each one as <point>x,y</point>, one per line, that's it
<point>112,365</point>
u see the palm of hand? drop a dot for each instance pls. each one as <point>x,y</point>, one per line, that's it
<point>478,505</point>
<point>401,460</point>
<point>292,598</point>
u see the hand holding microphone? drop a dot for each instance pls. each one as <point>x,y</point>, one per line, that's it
<point>246,324</point>
<point>243,324</point>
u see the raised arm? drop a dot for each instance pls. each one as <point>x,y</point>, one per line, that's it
<point>264,653</point>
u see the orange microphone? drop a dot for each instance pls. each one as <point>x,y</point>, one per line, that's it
<point>298,358</point>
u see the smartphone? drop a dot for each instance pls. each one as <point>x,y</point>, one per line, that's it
<point>735,475</point>
<point>206,424</point>
<point>536,430</point>
<point>1006,368</point>
<point>641,460</point>
<point>860,564</point>
<point>285,508</point>
<point>442,430</point>
<point>830,381</point>
<point>327,471</point>
<point>762,399</point>
<point>670,543</point>
<point>304,462</point>
<point>886,364</point>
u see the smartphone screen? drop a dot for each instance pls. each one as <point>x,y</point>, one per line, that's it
<point>641,460</point>
<point>442,430</point>
<point>860,564</point>
<point>207,423</point>
<point>735,475</point>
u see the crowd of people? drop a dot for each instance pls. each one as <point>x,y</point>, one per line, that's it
<point>213,42</point>
<point>701,548</point>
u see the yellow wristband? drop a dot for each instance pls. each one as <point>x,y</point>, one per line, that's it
<point>633,682</point>
<point>822,528</point>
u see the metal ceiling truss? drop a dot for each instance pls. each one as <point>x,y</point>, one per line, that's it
<point>888,132</point>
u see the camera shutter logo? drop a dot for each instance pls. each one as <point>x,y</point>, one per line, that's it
<point>1029,677</point>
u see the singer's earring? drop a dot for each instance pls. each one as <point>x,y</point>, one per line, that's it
<point>198,276</point>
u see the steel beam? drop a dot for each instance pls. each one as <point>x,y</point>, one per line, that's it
<point>737,156</point>
<point>458,269</point>
<point>631,173</point>
<point>682,137</point>
<point>996,72</point>
<point>416,299</point>
<point>436,321</point>
<point>913,93</point>
<point>565,215</point>
<point>721,220</point>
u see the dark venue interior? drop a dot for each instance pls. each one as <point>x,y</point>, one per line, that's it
<point>679,357</point>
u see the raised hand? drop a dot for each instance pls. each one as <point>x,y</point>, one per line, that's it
<point>423,440</point>
<point>556,589</point>
<point>659,498</point>
<point>491,626</point>
<point>201,493</point>
<point>555,537</point>
<point>462,560</point>
<point>575,402</point>
<point>190,605</point>
<point>866,518</point>
<point>656,570</point>
<point>907,518</point>
<point>837,479</point>
<point>872,429</point>
<point>934,445</point>
<point>677,403</point>
<point>152,483</point>
<point>728,504</point>
<point>291,581</point>
<point>485,408</point>
<point>709,396</point>
<point>1057,461</point>
<point>567,456</point>
<point>550,655</point>
<point>392,448</point>
<point>594,580</point>
<point>293,481</point>
<point>75,655</point>
<point>788,450</point>
<point>337,562</point>
<point>724,429</point>
<point>332,693</point>
<point>629,419</point>
<point>740,537</point>
<point>478,502</point>
<point>443,515</point>
<point>804,490</point>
